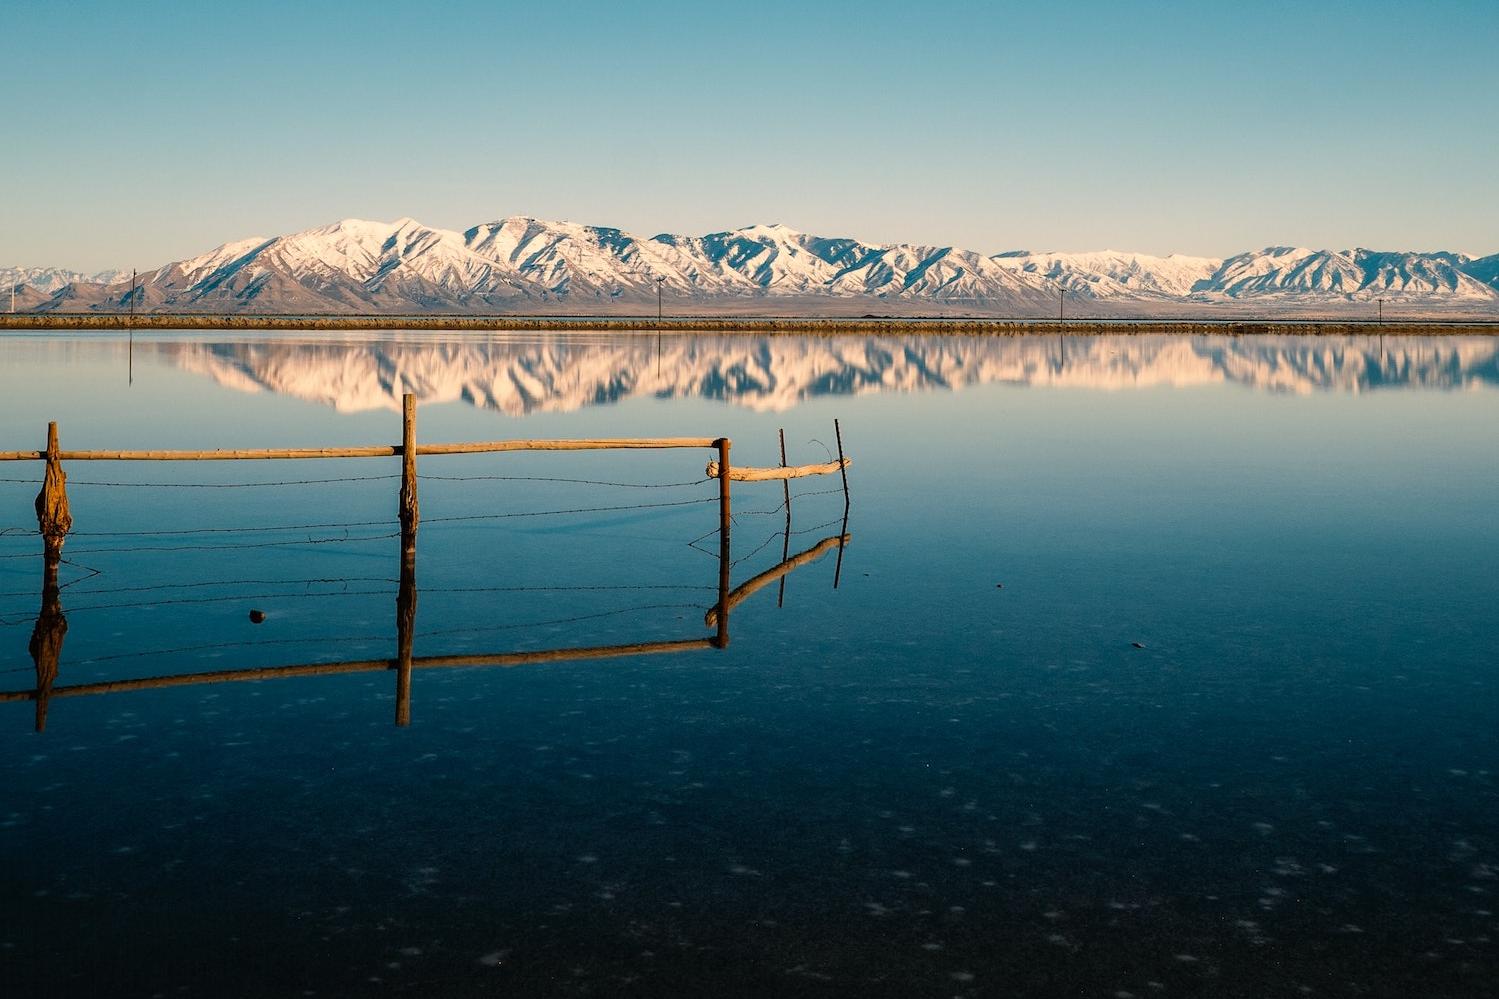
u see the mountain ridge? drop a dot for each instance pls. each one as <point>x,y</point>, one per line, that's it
<point>522,265</point>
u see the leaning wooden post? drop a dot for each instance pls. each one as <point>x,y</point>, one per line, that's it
<point>405,629</point>
<point>54,520</point>
<point>721,640</point>
<point>842,464</point>
<point>786,543</point>
<point>843,471</point>
<point>46,640</point>
<point>410,512</point>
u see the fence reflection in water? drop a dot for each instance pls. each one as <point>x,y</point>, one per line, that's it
<point>54,520</point>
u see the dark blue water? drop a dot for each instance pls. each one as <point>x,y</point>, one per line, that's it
<point>1155,667</point>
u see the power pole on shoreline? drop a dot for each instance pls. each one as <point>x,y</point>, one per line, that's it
<point>659,282</point>
<point>1381,312</point>
<point>132,298</point>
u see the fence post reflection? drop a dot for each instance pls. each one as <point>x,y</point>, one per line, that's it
<point>721,639</point>
<point>46,638</point>
<point>405,628</point>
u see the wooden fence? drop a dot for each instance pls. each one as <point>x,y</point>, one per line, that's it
<point>55,521</point>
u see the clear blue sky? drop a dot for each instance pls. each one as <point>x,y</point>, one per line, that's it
<point>141,133</point>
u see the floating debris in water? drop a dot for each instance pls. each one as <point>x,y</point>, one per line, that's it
<point>257,616</point>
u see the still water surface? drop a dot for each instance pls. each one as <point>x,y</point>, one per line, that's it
<point>1155,667</point>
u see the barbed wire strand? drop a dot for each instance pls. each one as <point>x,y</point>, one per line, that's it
<point>554,513</point>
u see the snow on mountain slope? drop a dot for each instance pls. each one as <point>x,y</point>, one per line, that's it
<point>1418,274</point>
<point>1105,273</point>
<point>1280,269</point>
<point>1484,270</point>
<point>1364,274</point>
<point>774,258</point>
<point>562,259</point>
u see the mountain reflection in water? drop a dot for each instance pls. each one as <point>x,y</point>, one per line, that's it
<point>563,373</point>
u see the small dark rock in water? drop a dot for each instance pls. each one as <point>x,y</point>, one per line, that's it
<point>257,616</point>
<point>1137,645</point>
<point>999,586</point>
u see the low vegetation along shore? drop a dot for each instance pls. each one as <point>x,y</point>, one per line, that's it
<point>745,324</point>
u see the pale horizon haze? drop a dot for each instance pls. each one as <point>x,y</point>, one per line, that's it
<point>142,134</point>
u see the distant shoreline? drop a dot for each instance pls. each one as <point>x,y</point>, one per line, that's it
<point>751,324</point>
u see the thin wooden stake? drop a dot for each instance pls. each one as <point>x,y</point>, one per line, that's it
<point>842,463</point>
<point>54,519</point>
<point>786,542</point>
<point>842,470</point>
<point>410,512</point>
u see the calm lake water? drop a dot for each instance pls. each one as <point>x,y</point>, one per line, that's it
<point>1155,667</point>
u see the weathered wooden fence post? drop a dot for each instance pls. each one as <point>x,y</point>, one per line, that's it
<point>54,520</point>
<point>721,640</point>
<point>410,512</point>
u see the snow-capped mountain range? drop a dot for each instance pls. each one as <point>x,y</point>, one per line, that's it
<point>523,266</point>
<point>562,373</point>
<point>50,279</point>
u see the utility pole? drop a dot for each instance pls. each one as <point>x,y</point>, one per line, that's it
<point>131,350</point>
<point>1381,312</point>
<point>1061,303</point>
<point>659,282</point>
<point>12,295</point>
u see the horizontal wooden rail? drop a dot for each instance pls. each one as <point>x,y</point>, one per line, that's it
<point>478,447</point>
<point>244,454</point>
<point>740,592</point>
<point>374,451</point>
<point>361,666</point>
<point>742,473</point>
